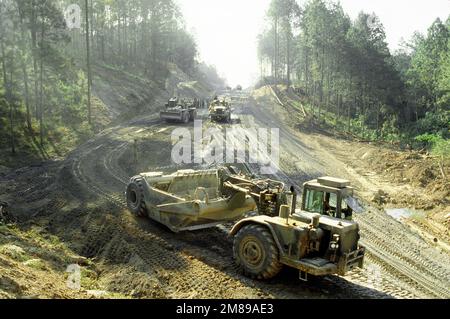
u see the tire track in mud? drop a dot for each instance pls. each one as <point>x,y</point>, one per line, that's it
<point>355,289</point>
<point>423,276</point>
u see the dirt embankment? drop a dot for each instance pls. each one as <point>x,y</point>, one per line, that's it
<point>407,179</point>
<point>419,170</point>
<point>34,264</point>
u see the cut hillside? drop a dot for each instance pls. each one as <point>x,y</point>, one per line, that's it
<point>35,264</point>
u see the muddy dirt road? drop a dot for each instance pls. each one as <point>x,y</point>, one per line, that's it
<point>84,204</point>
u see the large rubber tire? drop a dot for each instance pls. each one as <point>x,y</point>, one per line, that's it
<point>193,116</point>
<point>135,197</point>
<point>186,118</point>
<point>256,253</point>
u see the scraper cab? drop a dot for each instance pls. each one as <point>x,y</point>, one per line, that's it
<point>330,196</point>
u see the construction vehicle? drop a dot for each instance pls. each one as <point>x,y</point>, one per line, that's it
<point>220,110</point>
<point>308,239</point>
<point>179,111</point>
<point>191,200</point>
<point>271,232</point>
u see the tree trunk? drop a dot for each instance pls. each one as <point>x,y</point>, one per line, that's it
<point>338,109</point>
<point>33,32</point>
<point>24,72</point>
<point>322,74</point>
<point>276,47</point>
<point>41,90</point>
<point>125,39</point>
<point>11,110</point>
<point>288,59</point>
<point>307,91</point>
<point>27,95</point>
<point>378,120</point>
<point>88,63</point>
<point>91,26</point>
<point>119,37</point>
<point>7,85</point>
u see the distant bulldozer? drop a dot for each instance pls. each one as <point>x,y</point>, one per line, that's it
<point>220,111</point>
<point>179,111</point>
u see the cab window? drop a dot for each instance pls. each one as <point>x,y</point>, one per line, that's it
<point>330,204</point>
<point>314,201</point>
<point>346,210</point>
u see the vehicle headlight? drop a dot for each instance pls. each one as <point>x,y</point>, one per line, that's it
<point>334,244</point>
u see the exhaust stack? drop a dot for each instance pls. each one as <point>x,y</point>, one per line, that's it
<point>294,200</point>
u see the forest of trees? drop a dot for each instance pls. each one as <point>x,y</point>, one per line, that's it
<point>45,45</point>
<point>345,69</point>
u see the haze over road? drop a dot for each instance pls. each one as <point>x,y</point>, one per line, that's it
<point>226,31</point>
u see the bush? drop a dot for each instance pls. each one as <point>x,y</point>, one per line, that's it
<point>438,145</point>
<point>433,123</point>
<point>441,148</point>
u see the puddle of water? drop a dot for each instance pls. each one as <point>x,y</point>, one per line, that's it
<point>401,213</point>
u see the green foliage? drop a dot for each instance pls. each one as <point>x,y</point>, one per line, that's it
<point>428,74</point>
<point>428,139</point>
<point>433,123</point>
<point>438,145</point>
<point>142,35</point>
<point>441,147</point>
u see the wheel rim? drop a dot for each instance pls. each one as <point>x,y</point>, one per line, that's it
<point>252,252</point>
<point>133,197</point>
